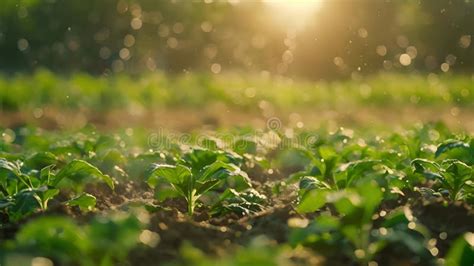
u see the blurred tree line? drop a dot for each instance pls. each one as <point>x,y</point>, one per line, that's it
<point>341,39</point>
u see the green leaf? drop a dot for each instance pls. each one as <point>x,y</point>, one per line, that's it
<point>25,204</point>
<point>371,196</point>
<point>210,143</point>
<point>313,200</point>
<point>243,146</point>
<point>41,159</point>
<point>5,203</point>
<point>449,145</point>
<point>113,236</point>
<point>427,168</point>
<point>221,170</point>
<point>62,240</point>
<point>462,251</point>
<point>240,203</point>
<point>309,183</point>
<point>165,192</point>
<point>81,169</point>
<point>347,202</point>
<point>203,187</point>
<point>45,174</point>
<point>11,167</point>
<point>321,229</point>
<point>197,159</point>
<point>177,175</point>
<point>85,202</point>
<point>44,194</point>
<point>217,170</point>
<point>458,168</point>
<point>357,169</point>
<point>422,164</point>
<point>11,177</point>
<point>239,180</point>
<point>457,174</point>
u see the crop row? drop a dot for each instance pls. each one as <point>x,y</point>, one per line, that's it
<point>82,91</point>
<point>355,197</point>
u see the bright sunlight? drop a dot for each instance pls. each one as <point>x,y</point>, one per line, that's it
<point>293,14</point>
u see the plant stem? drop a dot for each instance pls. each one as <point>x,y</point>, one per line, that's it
<point>190,207</point>
<point>191,199</point>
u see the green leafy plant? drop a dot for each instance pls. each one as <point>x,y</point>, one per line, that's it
<point>260,251</point>
<point>22,193</point>
<point>355,208</point>
<point>457,149</point>
<point>85,201</point>
<point>349,197</point>
<point>241,203</point>
<point>453,175</point>
<point>203,171</point>
<point>350,226</point>
<point>24,190</point>
<point>77,170</point>
<point>105,241</point>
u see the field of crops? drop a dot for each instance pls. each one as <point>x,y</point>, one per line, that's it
<point>186,102</point>
<point>325,191</point>
<point>80,91</point>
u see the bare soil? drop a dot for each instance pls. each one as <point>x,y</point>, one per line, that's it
<point>182,119</point>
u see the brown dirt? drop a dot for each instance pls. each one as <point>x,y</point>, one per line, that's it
<point>454,218</point>
<point>182,119</point>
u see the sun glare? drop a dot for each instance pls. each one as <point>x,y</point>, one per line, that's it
<point>293,13</point>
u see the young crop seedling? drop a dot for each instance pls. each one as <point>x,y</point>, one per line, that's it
<point>197,172</point>
<point>355,207</point>
<point>349,226</point>
<point>104,241</point>
<point>24,190</point>
<point>453,176</point>
<point>363,199</point>
<point>241,203</point>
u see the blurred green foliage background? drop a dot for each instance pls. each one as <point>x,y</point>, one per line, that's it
<point>339,38</point>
